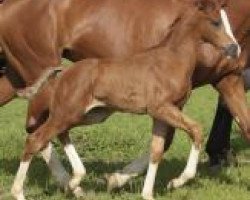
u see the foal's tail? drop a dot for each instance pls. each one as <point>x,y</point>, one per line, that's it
<point>30,92</point>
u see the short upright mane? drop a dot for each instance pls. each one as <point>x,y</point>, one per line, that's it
<point>183,25</point>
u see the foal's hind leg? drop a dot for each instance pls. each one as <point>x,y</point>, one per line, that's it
<point>37,115</point>
<point>79,170</point>
<point>34,143</point>
<point>95,116</point>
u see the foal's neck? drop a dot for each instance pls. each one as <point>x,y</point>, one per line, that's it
<point>184,37</point>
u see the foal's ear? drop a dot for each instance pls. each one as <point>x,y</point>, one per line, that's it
<point>205,5</point>
<point>209,5</point>
<point>223,3</point>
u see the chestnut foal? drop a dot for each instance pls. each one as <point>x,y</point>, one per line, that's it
<point>156,82</point>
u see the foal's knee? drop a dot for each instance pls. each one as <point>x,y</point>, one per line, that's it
<point>32,146</point>
<point>197,135</point>
<point>35,121</point>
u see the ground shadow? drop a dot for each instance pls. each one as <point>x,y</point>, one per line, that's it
<point>40,176</point>
<point>171,168</point>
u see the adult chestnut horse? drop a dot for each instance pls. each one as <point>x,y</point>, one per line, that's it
<point>157,82</point>
<point>80,29</point>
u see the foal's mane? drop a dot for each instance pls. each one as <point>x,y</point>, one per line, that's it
<point>183,26</point>
<point>185,19</point>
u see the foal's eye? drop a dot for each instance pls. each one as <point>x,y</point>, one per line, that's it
<point>216,23</point>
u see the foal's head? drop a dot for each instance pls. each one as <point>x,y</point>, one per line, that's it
<point>209,28</point>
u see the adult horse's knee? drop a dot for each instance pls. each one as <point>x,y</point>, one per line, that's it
<point>245,126</point>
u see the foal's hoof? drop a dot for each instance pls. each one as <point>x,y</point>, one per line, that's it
<point>78,192</point>
<point>147,197</point>
<point>112,181</point>
<point>18,196</point>
<point>174,183</point>
<point>17,193</point>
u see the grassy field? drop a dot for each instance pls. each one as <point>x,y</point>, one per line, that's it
<point>109,146</point>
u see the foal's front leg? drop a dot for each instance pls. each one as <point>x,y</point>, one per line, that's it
<point>173,116</point>
<point>176,118</point>
<point>157,151</point>
<point>138,166</point>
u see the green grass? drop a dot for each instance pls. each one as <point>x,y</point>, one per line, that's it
<point>109,146</point>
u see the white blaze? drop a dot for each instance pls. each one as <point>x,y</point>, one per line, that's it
<point>228,28</point>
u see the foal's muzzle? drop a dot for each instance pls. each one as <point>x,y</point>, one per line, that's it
<point>231,50</point>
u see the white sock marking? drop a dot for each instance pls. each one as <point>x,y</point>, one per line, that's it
<point>191,167</point>
<point>17,188</point>
<point>148,187</point>
<point>189,171</point>
<point>228,28</point>
<point>78,168</point>
<point>56,167</point>
<point>122,178</point>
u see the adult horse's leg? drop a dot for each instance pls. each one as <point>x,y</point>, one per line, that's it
<point>232,90</point>
<point>219,139</point>
<point>246,76</point>
<point>138,166</point>
<point>218,143</point>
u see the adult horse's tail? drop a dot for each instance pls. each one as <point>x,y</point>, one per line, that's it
<point>30,92</point>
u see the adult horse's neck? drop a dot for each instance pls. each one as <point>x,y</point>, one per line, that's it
<point>28,55</point>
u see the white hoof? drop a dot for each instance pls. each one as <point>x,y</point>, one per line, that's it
<point>17,195</point>
<point>117,180</point>
<point>112,181</point>
<point>175,183</point>
<point>147,196</point>
<point>78,192</point>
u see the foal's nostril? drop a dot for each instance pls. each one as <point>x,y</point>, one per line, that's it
<point>232,50</point>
